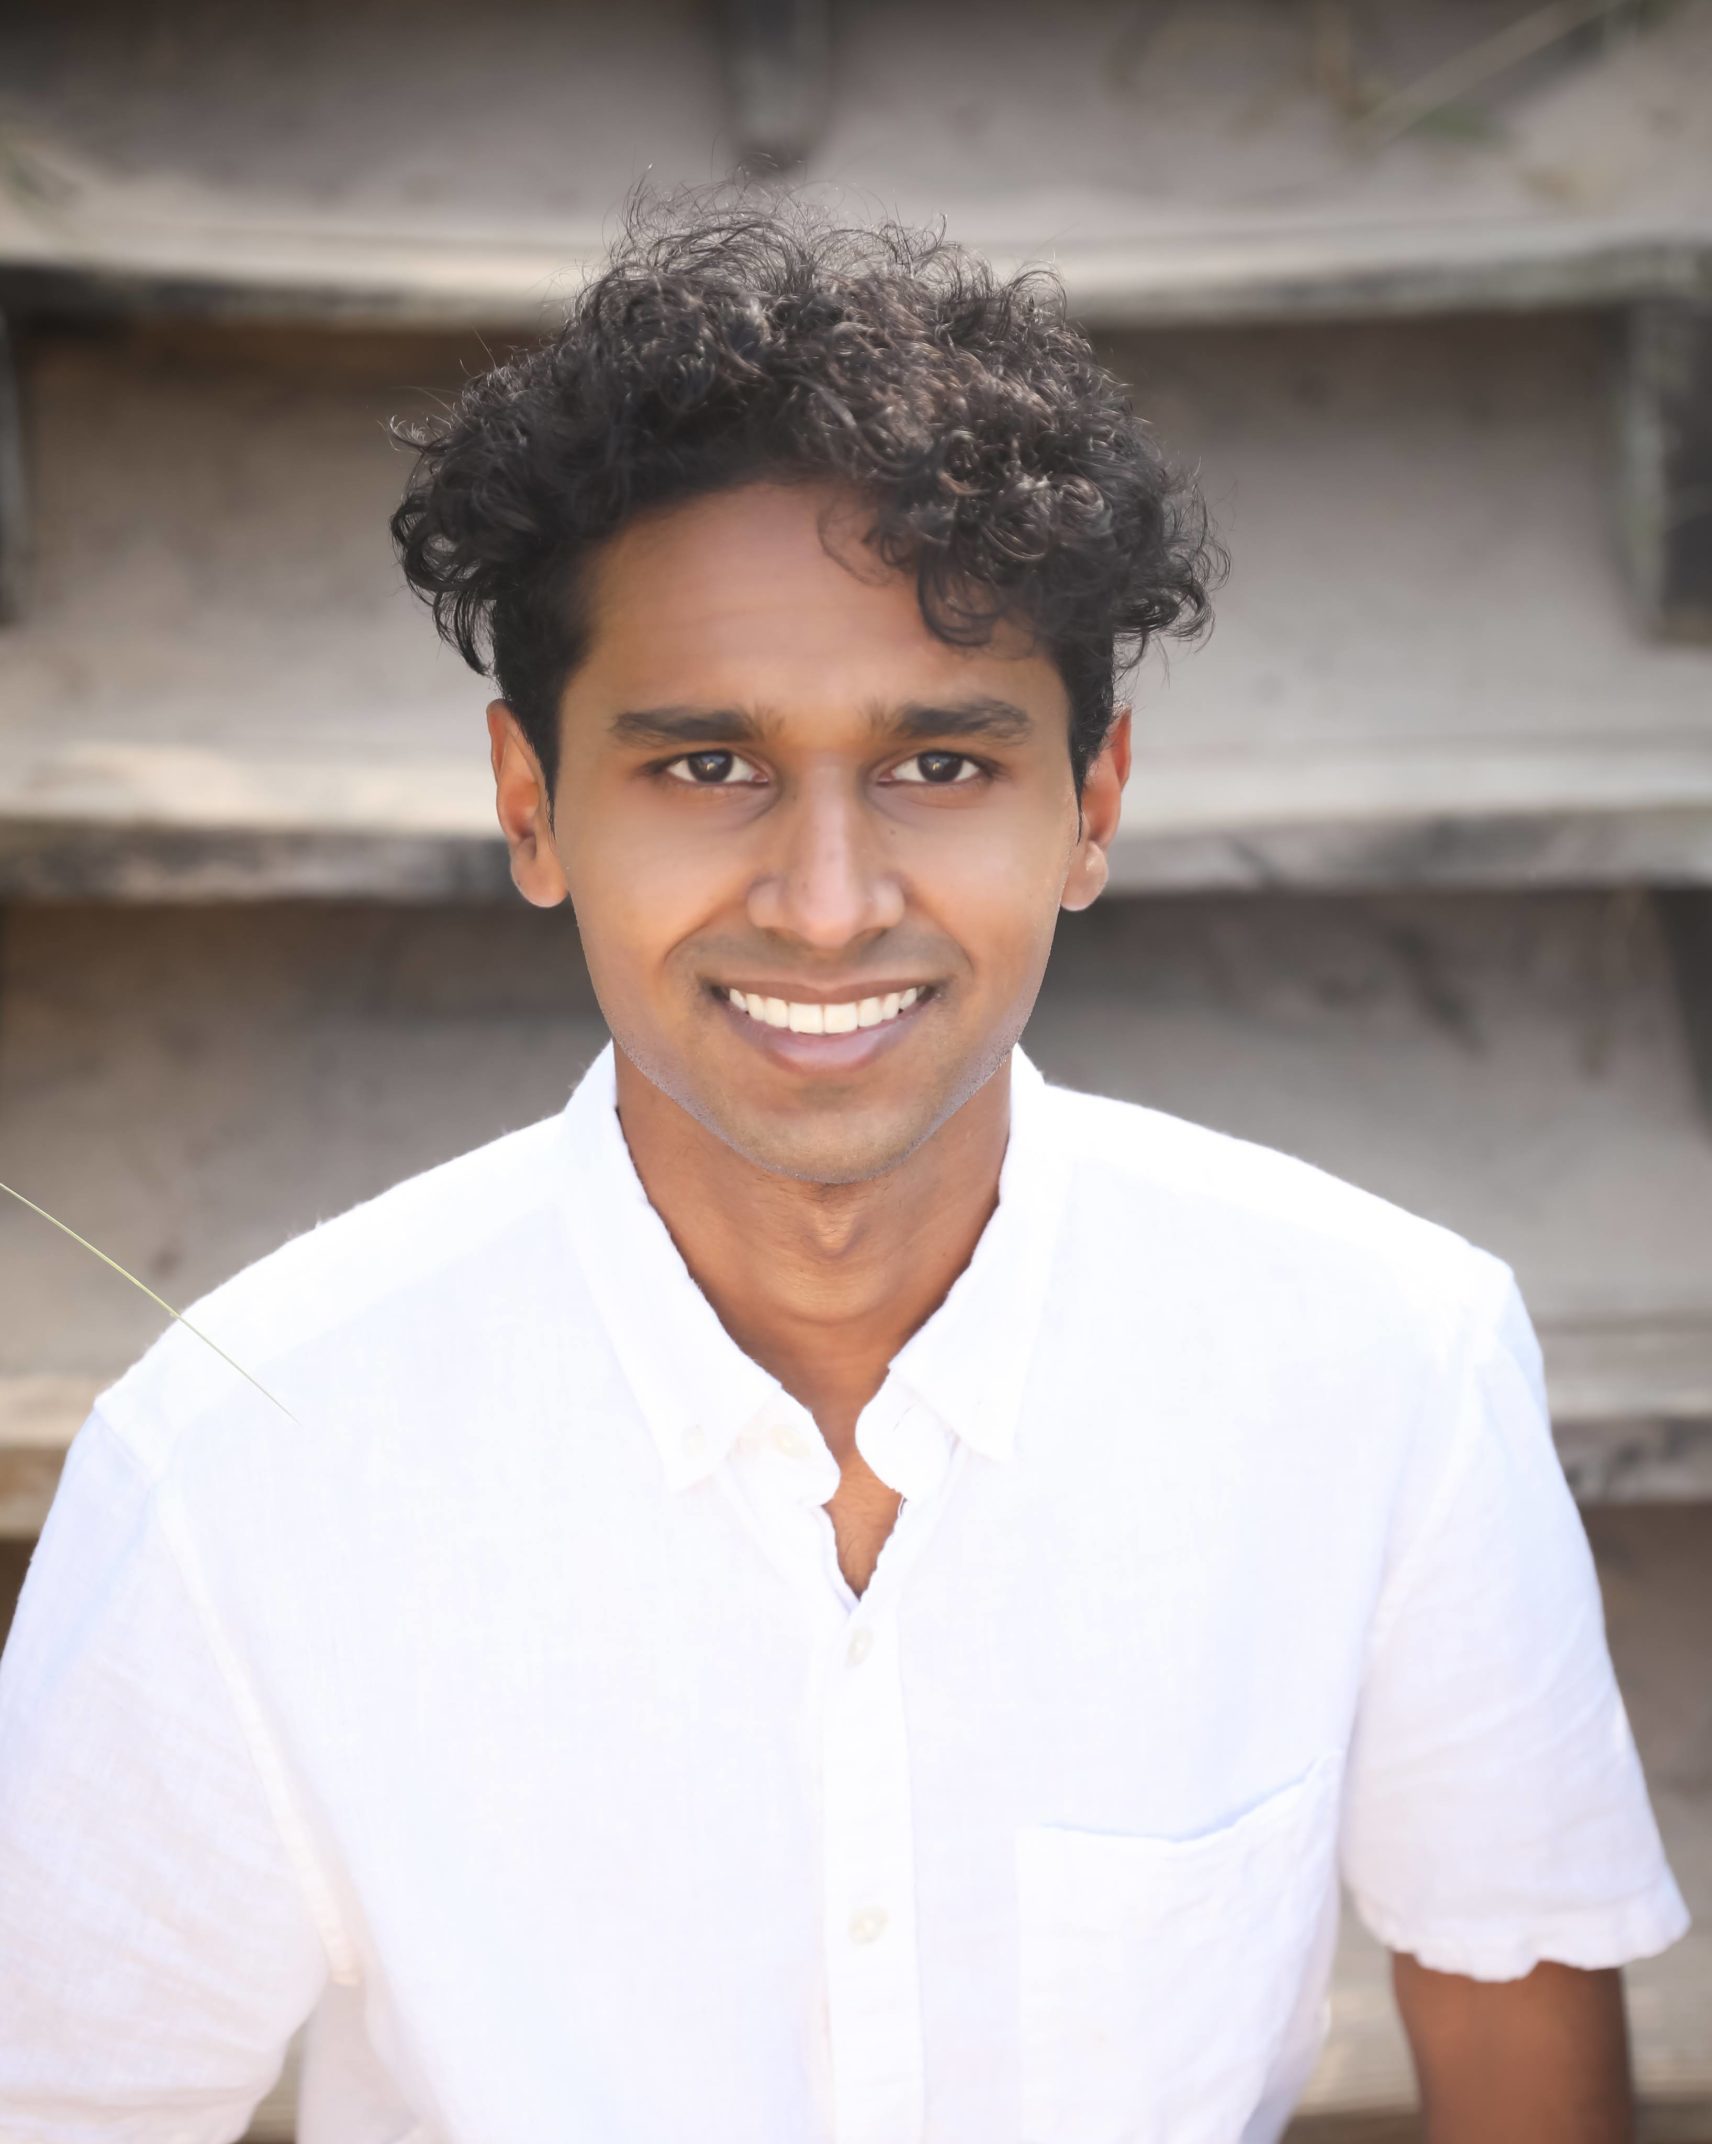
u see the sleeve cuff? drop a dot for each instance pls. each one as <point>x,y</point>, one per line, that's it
<point>1592,1937</point>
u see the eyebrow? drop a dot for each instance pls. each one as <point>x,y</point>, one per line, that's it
<point>1000,721</point>
<point>685,726</point>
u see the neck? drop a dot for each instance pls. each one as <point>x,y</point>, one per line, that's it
<point>821,1284</point>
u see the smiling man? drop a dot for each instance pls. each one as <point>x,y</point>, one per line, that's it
<point>830,1591</point>
<point>816,855</point>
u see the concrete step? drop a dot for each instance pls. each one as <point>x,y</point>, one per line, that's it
<point>187,1087</point>
<point>1233,161</point>
<point>1630,1426</point>
<point>1424,670</point>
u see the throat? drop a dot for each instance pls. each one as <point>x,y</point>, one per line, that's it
<point>820,1283</point>
<point>863,1510</point>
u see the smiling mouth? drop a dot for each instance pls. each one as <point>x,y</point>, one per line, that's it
<point>816,1017</point>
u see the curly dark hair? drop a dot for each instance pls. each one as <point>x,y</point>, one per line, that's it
<point>727,340</point>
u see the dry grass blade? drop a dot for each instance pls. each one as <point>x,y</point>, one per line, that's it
<point>1472,69</point>
<point>95,1251</point>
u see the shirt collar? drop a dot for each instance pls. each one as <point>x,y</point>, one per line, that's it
<point>970,1360</point>
<point>696,1388</point>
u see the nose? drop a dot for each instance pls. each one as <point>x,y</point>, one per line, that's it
<point>827,879</point>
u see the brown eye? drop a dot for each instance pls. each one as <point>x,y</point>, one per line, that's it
<point>712,770</point>
<point>940,770</point>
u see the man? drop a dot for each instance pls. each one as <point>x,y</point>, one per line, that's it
<point>829,1589</point>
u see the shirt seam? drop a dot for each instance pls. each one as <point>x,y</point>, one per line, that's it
<point>314,1886</point>
<point>1476,1354</point>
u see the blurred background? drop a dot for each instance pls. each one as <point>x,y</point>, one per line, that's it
<point>1416,879</point>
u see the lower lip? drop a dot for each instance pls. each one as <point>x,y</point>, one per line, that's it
<point>823,1053</point>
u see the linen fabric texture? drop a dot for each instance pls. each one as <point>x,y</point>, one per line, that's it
<point>505,1721</point>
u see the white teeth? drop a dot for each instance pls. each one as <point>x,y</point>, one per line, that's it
<point>813,1018</point>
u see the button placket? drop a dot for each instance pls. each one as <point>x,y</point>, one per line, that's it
<point>872,1972</point>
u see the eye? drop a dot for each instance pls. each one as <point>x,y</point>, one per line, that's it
<point>712,770</point>
<point>941,770</point>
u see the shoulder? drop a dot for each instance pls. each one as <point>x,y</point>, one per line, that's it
<point>396,1262</point>
<point>1258,1228</point>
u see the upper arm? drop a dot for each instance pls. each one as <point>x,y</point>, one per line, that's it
<point>156,1953</point>
<point>1495,1813</point>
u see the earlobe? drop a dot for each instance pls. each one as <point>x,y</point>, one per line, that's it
<point>1087,879</point>
<point>536,874</point>
<point>520,803</point>
<point>1097,815</point>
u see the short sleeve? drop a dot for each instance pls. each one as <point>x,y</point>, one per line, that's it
<point>156,1949</point>
<point>1496,1813</point>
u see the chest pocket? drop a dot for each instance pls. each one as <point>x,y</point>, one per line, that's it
<point>1159,1976</point>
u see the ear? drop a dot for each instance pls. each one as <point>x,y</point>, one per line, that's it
<point>522,802</point>
<point>1102,799</point>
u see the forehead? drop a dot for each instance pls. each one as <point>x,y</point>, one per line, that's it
<point>735,597</point>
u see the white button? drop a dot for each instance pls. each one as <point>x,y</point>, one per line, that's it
<point>787,1441</point>
<point>860,1646</point>
<point>867,1924</point>
<point>695,1439</point>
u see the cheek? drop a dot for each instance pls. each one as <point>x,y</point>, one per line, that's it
<point>640,884</point>
<point>995,878</point>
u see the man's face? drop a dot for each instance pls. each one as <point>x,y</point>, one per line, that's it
<point>816,854</point>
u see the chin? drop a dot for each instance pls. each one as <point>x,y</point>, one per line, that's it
<point>851,1148</point>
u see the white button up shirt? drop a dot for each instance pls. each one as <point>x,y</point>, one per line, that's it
<point>506,1716</point>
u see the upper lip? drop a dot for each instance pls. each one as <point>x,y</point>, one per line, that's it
<point>802,994</point>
